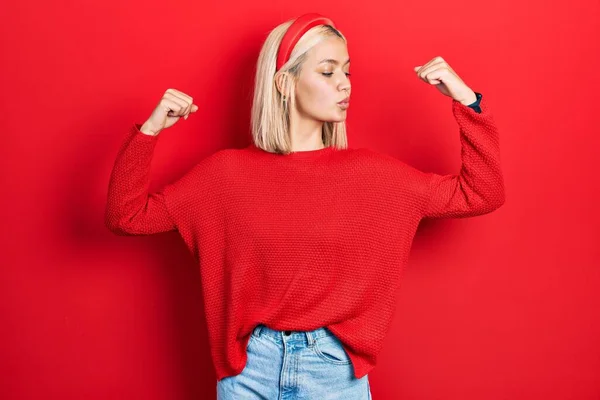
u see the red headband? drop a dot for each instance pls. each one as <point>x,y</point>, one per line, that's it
<point>300,26</point>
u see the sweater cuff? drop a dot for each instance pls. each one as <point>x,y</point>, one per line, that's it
<point>135,130</point>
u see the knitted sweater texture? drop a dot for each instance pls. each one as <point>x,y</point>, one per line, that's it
<point>305,240</point>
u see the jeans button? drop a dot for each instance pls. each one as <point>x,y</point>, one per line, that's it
<point>287,333</point>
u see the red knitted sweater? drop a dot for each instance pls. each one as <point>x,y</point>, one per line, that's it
<point>305,240</point>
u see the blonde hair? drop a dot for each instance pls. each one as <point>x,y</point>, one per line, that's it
<point>270,117</point>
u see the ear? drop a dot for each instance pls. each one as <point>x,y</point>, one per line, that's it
<point>281,80</point>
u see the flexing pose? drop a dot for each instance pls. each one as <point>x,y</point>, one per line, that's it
<point>301,240</point>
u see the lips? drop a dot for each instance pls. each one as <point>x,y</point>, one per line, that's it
<point>345,101</point>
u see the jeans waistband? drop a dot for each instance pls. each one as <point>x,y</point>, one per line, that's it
<point>307,337</point>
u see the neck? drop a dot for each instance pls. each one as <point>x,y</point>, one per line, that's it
<point>306,133</point>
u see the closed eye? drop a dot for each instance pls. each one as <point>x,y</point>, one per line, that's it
<point>328,74</point>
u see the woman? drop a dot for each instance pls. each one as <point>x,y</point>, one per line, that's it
<point>301,240</point>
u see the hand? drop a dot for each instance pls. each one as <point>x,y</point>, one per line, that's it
<point>173,105</point>
<point>437,72</point>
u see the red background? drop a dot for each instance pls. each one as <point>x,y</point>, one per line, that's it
<point>501,306</point>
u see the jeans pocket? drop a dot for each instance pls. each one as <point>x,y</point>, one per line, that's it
<point>251,341</point>
<point>256,341</point>
<point>331,350</point>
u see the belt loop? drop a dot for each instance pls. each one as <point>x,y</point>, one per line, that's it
<point>310,338</point>
<point>257,329</point>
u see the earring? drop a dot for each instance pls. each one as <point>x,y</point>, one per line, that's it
<point>284,99</point>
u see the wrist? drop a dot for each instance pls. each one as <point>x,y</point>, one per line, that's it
<point>146,129</point>
<point>469,99</point>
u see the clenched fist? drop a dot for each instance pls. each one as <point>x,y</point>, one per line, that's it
<point>437,72</point>
<point>172,106</point>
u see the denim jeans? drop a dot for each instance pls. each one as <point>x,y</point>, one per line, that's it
<point>286,365</point>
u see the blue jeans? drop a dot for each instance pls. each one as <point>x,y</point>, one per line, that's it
<point>286,365</point>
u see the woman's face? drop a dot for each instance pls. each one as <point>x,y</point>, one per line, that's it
<point>324,82</point>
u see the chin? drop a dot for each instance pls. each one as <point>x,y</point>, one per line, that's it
<point>333,117</point>
<point>337,117</point>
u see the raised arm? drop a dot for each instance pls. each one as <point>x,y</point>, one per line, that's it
<point>130,209</point>
<point>479,187</point>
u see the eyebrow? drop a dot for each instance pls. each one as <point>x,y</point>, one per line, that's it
<point>332,61</point>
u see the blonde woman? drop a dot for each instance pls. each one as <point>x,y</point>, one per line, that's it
<point>301,240</point>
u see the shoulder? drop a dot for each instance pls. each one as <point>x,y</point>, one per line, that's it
<point>380,158</point>
<point>218,159</point>
<point>208,170</point>
<point>391,165</point>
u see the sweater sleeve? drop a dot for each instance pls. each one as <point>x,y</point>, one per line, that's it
<point>479,187</point>
<point>130,209</point>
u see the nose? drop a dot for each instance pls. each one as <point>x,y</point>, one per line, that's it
<point>346,88</point>
<point>345,85</point>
